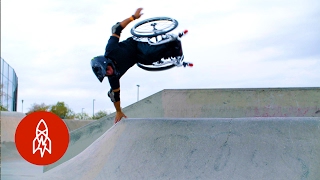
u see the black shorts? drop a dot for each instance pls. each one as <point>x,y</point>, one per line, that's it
<point>153,53</point>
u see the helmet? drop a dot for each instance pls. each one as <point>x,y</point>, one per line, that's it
<point>99,66</point>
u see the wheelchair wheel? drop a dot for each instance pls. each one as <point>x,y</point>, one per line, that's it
<point>153,27</point>
<point>158,67</point>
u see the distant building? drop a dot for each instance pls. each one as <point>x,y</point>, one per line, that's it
<point>9,87</point>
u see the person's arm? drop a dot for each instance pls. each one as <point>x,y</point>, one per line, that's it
<point>116,29</point>
<point>114,95</point>
<point>119,113</point>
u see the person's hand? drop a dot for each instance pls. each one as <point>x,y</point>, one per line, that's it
<point>119,116</point>
<point>138,13</point>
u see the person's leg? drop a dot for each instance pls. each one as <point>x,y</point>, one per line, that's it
<point>176,48</point>
<point>150,53</point>
<point>153,53</point>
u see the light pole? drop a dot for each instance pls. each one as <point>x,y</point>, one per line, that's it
<point>22,105</point>
<point>82,113</point>
<point>138,93</point>
<point>93,108</point>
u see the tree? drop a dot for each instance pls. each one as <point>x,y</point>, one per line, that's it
<point>62,110</point>
<point>38,107</point>
<point>2,108</point>
<point>82,116</point>
<point>1,90</point>
<point>100,114</point>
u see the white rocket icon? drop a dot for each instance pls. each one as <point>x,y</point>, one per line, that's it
<point>42,141</point>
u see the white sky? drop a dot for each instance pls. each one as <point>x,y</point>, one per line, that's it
<point>233,44</point>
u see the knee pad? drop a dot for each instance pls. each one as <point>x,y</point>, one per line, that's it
<point>114,96</point>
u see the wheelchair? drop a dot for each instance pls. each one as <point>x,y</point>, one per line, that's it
<point>155,31</point>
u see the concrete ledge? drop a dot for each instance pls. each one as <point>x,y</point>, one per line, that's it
<point>76,124</point>
<point>9,123</point>
<point>228,103</point>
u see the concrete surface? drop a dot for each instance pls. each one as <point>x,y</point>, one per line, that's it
<point>9,123</point>
<point>214,148</point>
<point>206,103</point>
<point>82,138</point>
<point>247,105</point>
<point>76,124</point>
<point>228,103</point>
<point>13,166</point>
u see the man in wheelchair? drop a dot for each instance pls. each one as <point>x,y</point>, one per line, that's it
<point>121,56</point>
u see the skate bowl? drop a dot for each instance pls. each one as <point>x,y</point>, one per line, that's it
<point>274,129</point>
<point>200,148</point>
<point>205,103</point>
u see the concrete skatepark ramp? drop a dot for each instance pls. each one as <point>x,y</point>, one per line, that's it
<point>264,133</point>
<point>13,166</point>
<point>228,103</point>
<point>205,103</point>
<point>219,148</point>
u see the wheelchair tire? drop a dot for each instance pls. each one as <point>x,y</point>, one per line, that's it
<point>147,27</point>
<point>155,68</point>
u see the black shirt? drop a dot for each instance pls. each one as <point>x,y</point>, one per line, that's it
<point>124,54</point>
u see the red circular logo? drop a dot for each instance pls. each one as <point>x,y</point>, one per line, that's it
<point>42,138</point>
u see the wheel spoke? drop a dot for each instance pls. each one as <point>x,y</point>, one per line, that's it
<point>154,26</point>
<point>150,29</point>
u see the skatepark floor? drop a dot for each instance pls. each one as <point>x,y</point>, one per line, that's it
<point>14,167</point>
